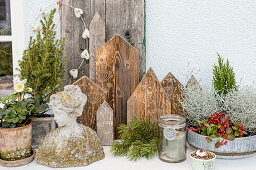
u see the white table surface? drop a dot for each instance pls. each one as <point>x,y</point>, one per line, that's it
<point>121,163</point>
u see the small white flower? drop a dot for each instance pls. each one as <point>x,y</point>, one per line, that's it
<point>85,54</point>
<point>43,11</point>
<point>1,105</point>
<point>29,89</point>
<point>86,34</point>
<point>78,12</point>
<point>34,26</point>
<point>74,73</point>
<point>19,85</point>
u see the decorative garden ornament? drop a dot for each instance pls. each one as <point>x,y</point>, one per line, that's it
<point>86,34</point>
<point>43,11</point>
<point>71,144</point>
<point>85,54</point>
<point>34,26</point>
<point>78,12</point>
<point>74,73</point>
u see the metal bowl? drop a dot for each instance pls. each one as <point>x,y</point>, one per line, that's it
<point>239,148</point>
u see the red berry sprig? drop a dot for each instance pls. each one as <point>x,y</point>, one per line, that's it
<point>219,125</point>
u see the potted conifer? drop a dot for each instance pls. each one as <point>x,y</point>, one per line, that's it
<point>16,127</point>
<point>222,119</point>
<point>43,67</point>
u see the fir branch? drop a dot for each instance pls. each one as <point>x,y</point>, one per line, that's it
<point>139,139</point>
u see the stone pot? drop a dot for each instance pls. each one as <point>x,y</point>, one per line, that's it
<point>41,127</point>
<point>239,148</point>
<point>15,143</point>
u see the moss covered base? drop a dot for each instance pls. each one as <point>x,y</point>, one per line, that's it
<point>18,154</point>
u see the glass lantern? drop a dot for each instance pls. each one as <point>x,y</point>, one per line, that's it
<point>173,138</point>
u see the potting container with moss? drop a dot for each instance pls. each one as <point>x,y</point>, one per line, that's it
<point>16,127</point>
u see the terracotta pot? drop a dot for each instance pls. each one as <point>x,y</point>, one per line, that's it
<point>41,127</point>
<point>15,143</point>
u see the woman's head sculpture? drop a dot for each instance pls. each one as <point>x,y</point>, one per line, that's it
<point>68,104</point>
<point>71,144</point>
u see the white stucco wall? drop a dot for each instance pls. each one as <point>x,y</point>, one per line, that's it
<point>32,10</point>
<point>182,32</point>
<point>184,35</point>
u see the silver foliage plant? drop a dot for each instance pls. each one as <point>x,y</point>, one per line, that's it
<point>241,105</point>
<point>198,103</point>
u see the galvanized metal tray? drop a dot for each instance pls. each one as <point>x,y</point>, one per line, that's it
<point>239,148</point>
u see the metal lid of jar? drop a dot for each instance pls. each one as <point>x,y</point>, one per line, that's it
<point>172,120</point>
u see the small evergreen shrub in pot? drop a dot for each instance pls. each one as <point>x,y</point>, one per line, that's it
<point>43,67</point>
<point>223,119</point>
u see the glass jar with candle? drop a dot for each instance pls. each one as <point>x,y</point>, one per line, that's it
<point>173,138</point>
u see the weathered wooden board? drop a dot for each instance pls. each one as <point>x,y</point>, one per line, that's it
<point>192,81</point>
<point>97,39</point>
<point>126,18</point>
<point>95,97</point>
<point>40,128</point>
<point>122,17</point>
<point>117,71</point>
<point>72,29</point>
<point>173,89</point>
<point>105,124</point>
<point>149,99</point>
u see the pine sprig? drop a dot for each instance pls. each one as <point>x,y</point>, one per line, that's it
<point>223,77</point>
<point>43,62</point>
<point>138,139</point>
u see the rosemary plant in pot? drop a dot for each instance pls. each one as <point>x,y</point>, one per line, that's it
<point>16,127</point>
<point>222,119</point>
<point>43,67</point>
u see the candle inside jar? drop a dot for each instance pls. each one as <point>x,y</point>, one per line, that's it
<point>175,149</point>
<point>173,138</point>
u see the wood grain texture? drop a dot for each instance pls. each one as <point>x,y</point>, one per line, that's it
<point>173,89</point>
<point>97,39</point>
<point>149,99</point>
<point>95,97</point>
<point>105,124</point>
<point>117,71</point>
<point>40,128</point>
<point>122,17</point>
<point>98,6</point>
<point>192,81</point>
<point>126,18</point>
<point>72,29</point>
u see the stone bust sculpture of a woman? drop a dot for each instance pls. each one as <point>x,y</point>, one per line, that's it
<point>71,144</point>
